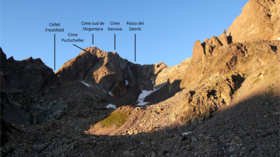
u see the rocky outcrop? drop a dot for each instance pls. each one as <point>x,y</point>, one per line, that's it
<point>45,110</point>
<point>2,64</point>
<point>119,88</point>
<point>201,103</point>
<point>224,39</point>
<point>260,19</point>
<point>27,78</point>
<point>6,130</point>
<point>108,72</point>
<point>220,60</point>
<point>198,52</point>
<point>159,67</point>
<point>74,70</point>
<point>173,73</point>
<point>3,58</point>
<point>22,84</point>
<point>104,70</point>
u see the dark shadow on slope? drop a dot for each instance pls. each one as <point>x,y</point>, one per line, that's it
<point>166,91</point>
<point>274,48</point>
<point>133,89</point>
<point>253,122</point>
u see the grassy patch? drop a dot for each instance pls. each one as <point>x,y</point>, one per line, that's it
<point>270,91</point>
<point>117,117</point>
<point>270,73</point>
<point>235,94</point>
<point>273,72</point>
<point>208,56</point>
<point>247,75</point>
<point>196,88</point>
<point>256,81</point>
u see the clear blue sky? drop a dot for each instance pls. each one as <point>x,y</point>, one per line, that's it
<point>168,35</point>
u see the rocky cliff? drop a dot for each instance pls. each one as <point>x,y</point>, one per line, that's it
<point>259,20</point>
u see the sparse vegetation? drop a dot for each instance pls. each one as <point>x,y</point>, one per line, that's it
<point>117,117</point>
<point>247,75</point>
<point>235,94</point>
<point>273,72</point>
<point>256,81</point>
<point>208,56</point>
<point>270,91</point>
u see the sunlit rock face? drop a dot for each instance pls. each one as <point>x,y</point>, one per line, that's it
<point>259,20</point>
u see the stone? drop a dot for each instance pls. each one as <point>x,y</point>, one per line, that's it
<point>39,147</point>
<point>231,150</point>
<point>193,138</point>
<point>188,148</point>
<point>233,142</point>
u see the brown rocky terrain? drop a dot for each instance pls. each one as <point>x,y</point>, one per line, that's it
<point>260,19</point>
<point>223,101</point>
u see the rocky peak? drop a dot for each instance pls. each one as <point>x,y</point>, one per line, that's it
<point>208,46</point>
<point>2,57</point>
<point>260,19</point>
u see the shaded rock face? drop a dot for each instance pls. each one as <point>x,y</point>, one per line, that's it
<point>21,83</point>
<point>2,57</point>
<point>45,110</point>
<point>74,70</point>
<point>27,78</point>
<point>2,64</point>
<point>260,19</point>
<point>6,129</point>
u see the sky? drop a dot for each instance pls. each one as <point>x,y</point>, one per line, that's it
<point>169,32</point>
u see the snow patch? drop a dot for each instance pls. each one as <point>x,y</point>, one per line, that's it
<point>126,82</point>
<point>186,133</point>
<point>111,106</point>
<point>110,93</point>
<point>85,84</point>
<point>153,81</point>
<point>143,95</point>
